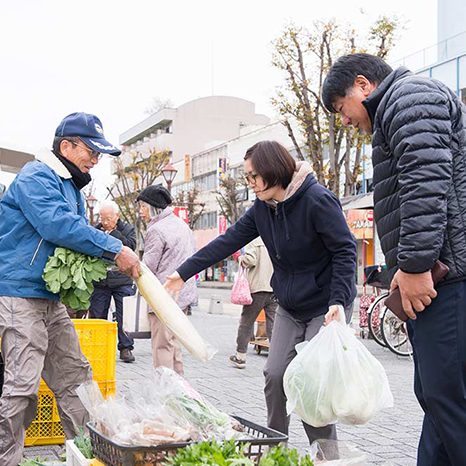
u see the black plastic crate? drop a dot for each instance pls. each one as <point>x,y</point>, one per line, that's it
<point>112,454</point>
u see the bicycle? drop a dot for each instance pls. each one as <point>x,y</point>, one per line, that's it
<point>385,328</point>
<point>376,277</point>
<point>395,334</point>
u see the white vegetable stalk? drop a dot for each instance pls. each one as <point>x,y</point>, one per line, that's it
<point>172,316</point>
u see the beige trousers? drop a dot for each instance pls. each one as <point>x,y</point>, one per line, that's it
<point>38,339</point>
<point>166,349</point>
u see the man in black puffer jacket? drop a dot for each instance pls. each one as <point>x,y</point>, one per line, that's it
<point>116,285</point>
<point>419,159</point>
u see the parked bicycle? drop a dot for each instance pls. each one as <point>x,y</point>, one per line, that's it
<point>385,328</point>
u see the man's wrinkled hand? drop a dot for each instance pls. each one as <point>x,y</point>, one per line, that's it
<point>173,285</point>
<point>128,262</point>
<point>417,291</point>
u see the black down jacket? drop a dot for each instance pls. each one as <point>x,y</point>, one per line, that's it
<point>127,235</point>
<point>419,159</point>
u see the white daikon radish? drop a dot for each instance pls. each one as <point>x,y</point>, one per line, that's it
<point>172,316</point>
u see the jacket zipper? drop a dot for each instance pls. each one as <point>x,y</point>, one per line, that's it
<point>37,250</point>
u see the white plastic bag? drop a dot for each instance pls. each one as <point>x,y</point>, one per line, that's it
<point>334,378</point>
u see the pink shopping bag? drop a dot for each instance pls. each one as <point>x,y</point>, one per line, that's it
<point>241,294</point>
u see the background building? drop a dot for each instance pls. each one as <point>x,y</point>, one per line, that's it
<point>191,128</point>
<point>11,162</point>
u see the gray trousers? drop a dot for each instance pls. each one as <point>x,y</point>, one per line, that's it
<point>38,339</point>
<point>287,333</point>
<point>260,300</point>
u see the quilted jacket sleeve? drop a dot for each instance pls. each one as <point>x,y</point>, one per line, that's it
<point>418,127</point>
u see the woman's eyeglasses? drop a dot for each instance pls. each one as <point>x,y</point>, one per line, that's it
<point>251,177</point>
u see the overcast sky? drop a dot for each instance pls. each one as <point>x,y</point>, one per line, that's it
<point>112,57</point>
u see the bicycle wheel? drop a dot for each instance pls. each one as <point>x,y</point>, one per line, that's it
<point>395,334</point>
<point>375,311</point>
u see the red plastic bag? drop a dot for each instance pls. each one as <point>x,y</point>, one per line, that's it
<point>241,294</point>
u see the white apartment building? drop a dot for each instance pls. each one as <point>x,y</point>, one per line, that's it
<point>191,128</point>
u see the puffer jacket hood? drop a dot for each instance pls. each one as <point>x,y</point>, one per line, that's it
<point>419,160</point>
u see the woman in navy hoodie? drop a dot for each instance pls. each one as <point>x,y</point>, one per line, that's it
<point>313,254</point>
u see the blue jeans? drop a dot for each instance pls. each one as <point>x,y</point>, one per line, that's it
<point>438,336</point>
<point>100,303</point>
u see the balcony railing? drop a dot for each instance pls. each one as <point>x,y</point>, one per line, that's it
<point>437,53</point>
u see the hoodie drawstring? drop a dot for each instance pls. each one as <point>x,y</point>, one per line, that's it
<point>287,232</point>
<point>274,235</point>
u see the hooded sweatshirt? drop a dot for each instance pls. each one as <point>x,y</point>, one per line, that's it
<point>311,247</point>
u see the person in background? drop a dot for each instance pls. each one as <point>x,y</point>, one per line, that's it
<point>43,209</point>
<point>418,128</point>
<point>169,242</point>
<point>117,285</point>
<point>260,270</point>
<point>313,254</point>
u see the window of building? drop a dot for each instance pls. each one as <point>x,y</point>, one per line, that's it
<point>206,182</point>
<point>206,221</point>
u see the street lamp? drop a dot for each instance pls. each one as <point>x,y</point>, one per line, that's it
<point>91,203</point>
<point>169,173</point>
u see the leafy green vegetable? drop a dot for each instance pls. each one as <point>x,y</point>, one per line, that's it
<point>71,274</point>
<point>280,456</point>
<point>229,454</point>
<point>39,462</point>
<point>213,453</point>
<point>203,416</point>
<point>83,442</point>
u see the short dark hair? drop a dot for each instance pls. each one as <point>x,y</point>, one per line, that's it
<point>57,140</point>
<point>344,72</point>
<point>272,162</point>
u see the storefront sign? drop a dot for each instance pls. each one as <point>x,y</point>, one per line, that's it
<point>187,168</point>
<point>222,225</point>
<point>222,170</point>
<point>182,212</point>
<point>361,223</point>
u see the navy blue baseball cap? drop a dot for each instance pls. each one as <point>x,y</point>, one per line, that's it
<point>89,129</point>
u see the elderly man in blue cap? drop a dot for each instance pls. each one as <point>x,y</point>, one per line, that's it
<point>43,209</point>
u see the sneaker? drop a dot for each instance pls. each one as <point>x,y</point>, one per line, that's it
<point>126,355</point>
<point>239,363</point>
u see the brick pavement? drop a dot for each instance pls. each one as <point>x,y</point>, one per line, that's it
<point>390,439</point>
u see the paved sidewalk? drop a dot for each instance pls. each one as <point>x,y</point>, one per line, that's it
<point>390,439</point>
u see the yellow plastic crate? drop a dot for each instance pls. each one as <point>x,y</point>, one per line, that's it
<point>46,429</point>
<point>98,343</point>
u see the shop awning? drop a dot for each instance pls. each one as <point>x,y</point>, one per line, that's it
<point>360,201</point>
<point>12,160</point>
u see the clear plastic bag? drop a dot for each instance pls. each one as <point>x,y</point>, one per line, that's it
<point>165,409</point>
<point>336,453</point>
<point>334,378</point>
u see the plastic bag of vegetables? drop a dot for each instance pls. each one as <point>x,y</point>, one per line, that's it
<point>334,378</point>
<point>172,316</point>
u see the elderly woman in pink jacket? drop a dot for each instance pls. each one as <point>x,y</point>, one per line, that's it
<point>169,242</point>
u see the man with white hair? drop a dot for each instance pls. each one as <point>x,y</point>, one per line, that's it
<point>116,285</point>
